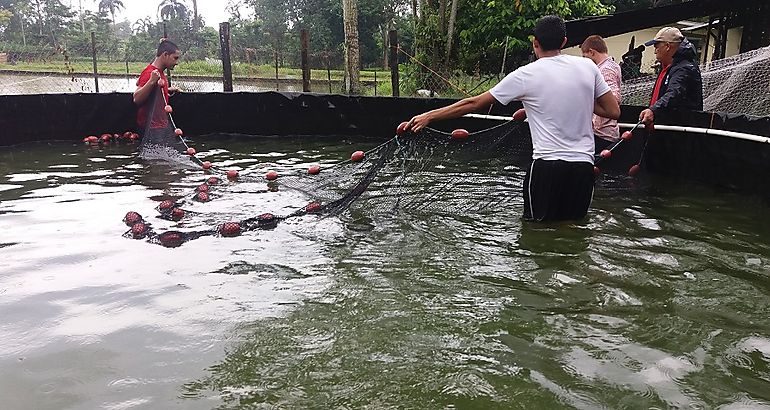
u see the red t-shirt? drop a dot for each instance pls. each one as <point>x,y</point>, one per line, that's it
<point>160,119</point>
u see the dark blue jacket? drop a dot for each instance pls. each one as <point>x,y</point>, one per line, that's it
<point>682,87</point>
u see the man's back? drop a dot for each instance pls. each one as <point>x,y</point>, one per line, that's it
<point>559,94</point>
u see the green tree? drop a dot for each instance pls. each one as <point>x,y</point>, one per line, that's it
<point>484,27</point>
<point>112,6</point>
<point>173,10</point>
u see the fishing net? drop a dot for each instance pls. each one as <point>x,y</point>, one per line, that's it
<point>739,84</point>
<point>161,139</point>
<point>434,171</point>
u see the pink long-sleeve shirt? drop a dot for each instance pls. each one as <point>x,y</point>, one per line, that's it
<point>604,127</point>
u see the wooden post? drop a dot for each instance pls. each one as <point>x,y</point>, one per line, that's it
<point>227,68</point>
<point>168,72</point>
<point>305,66</point>
<point>375,83</point>
<point>393,40</point>
<point>328,74</point>
<point>93,52</point>
<point>277,83</point>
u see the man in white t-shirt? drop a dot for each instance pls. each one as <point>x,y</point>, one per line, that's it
<point>560,93</point>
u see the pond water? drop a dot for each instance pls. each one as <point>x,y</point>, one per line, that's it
<point>41,83</point>
<point>659,299</point>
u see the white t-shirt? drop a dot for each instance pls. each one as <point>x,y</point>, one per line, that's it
<point>559,94</point>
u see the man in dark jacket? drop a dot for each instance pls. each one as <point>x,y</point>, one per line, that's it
<point>679,84</point>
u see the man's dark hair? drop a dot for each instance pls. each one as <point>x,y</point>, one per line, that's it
<point>550,32</point>
<point>166,46</point>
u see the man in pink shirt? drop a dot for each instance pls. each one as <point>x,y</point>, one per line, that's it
<point>595,49</point>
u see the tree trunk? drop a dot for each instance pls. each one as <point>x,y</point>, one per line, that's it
<point>442,16</point>
<point>352,58</point>
<point>195,15</point>
<point>450,32</point>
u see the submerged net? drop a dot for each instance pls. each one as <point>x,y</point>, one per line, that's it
<point>161,139</point>
<point>739,84</point>
<point>435,171</point>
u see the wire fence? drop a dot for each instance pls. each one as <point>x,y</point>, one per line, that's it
<point>99,65</point>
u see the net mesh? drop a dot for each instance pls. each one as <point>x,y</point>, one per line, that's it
<point>739,84</point>
<point>407,173</point>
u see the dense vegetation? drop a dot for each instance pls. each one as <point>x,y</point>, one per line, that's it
<point>470,35</point>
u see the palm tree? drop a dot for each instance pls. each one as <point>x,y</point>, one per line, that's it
<point>111,6</point>
<point>143,25</point>
<point>195,14</point>
<point>172,9</point>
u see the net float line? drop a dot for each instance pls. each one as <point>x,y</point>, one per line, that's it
<point>675,128</point>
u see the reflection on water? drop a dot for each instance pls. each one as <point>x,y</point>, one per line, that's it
<point>659,299</point>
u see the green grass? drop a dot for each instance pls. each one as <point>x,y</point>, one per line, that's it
<point>466,84</point>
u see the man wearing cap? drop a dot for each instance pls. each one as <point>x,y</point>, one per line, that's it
<point>679,84</point>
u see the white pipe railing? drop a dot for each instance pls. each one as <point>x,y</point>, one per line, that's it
<point>676,128</point>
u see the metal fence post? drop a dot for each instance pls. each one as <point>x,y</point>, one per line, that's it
<point>224,44</point>
<point>393,61</point>
<point>305,66</point>
<point>93,53</point>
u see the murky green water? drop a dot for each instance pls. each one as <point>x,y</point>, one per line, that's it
<point>660,299</point>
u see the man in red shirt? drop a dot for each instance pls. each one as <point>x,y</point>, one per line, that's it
<point>167,57</point>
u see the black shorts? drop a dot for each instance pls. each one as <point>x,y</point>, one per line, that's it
<point>557,190</point>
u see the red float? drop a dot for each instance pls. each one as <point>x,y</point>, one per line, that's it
<point>213,181</point>
<point>627,135</point>
<point>202,197</point>
<point>178,131</point>
<point>357,156</point>
<point>132,217</point>
<point>634,170</point>
<point>520,115</point>
<point>232,174</point>
<point>139,230</point>
<point>271,176</point>
<point>171,239</point>
<point>313,207</point>
<point>167,204</point>
<point>230,229</point>
<point>460,134</point>
<point>401,129</point>
<point>202,188</point>
<point>597,171</point>
<point>191,151</point>
<point>168,109</point>
<point>314,169</point>
<point>177,214</point>
<point>206,165</point>
<point>605,153</point>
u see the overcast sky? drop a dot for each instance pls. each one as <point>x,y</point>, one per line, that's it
<point>213,11</point>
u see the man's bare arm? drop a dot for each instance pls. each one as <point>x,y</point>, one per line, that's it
<point>607,106</point>
<point>458,109</point>
<point>143,93</point>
